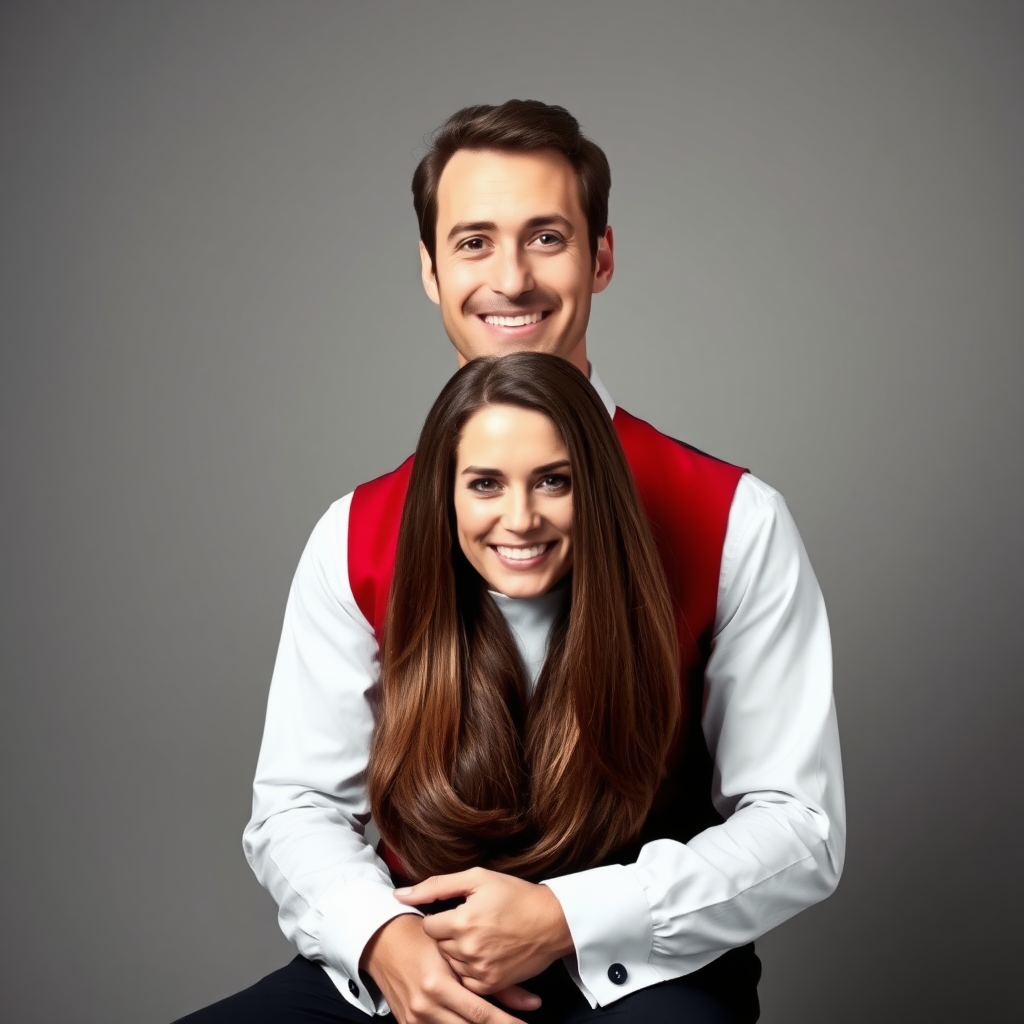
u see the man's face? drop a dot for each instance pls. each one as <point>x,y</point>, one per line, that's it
<point>513,270</point>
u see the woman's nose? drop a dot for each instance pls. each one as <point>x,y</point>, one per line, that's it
<point>519,515</point>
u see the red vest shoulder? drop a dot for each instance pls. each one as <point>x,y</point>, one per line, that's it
<point>686,495</point>
<point>374,519</point>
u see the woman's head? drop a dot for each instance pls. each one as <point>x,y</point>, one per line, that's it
<point>512,499</point>
<point>464,768</point>
<point>517,452</point>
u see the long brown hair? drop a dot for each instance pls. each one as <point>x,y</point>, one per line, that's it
<point>516,126</point>
<point>464,770</point>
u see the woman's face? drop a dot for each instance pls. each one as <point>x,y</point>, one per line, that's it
<point>513,500</point>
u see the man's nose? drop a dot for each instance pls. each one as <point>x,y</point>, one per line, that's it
<point>512,276</point>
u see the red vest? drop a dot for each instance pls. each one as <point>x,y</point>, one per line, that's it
<point>687,496</point>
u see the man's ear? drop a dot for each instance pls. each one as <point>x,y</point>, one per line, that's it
<point>604,262</point>
<point>427,275</point>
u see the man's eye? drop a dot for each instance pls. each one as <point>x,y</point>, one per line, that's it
<point>472,244</point>
<point>548,238</point>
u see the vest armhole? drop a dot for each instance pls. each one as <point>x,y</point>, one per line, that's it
<point>374,520</point>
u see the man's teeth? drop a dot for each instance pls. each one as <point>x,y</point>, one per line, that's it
<point>521,554</point>
<point>514,321</point>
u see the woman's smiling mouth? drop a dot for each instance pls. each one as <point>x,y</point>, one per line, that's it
<point>523,557</point>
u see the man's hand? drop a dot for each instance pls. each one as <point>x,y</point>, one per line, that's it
<point>421,987</point>
<point>506,931</point>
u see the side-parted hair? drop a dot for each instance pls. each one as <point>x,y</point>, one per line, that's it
<point>464,768</point>
<point>517,126</point>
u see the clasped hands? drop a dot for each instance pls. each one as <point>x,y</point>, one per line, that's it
<point>439,968</point>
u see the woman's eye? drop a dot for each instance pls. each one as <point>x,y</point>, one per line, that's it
<point>484,485</point>
<point>556,483</point>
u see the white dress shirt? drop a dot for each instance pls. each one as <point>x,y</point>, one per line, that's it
<point>769,721</point>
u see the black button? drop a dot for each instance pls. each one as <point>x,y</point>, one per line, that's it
<point>353,988</point>
<point>617,974</point>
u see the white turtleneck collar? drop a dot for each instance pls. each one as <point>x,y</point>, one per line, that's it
<point>531,619</point>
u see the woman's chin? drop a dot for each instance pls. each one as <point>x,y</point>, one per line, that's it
<point>523,584</point>
<point>521,588</point>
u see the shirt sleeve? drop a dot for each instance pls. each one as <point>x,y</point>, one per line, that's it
<point>306,840</point>
<point>770,725</point>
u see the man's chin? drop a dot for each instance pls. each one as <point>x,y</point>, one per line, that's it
<point>508,343</point>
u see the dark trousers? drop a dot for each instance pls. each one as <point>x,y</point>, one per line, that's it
<point>724,992</point>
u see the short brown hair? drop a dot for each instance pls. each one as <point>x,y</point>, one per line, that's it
<point>517,126</point>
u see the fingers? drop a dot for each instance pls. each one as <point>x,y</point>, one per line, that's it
<point>463,963</point>
<point>484,982</point>
<point>456,1004</point>
<point>514,997</point>
<point>440,926</point>
<point>477,1010</point>
<point>461,970</point>
<point>437,887</point>
<point>440,998</point>
<point>419,984</point>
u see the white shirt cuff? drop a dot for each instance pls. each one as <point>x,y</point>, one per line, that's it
<point>610,921</point>
<point>351,915</point>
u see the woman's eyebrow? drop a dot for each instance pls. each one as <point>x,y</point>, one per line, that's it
<point>539,471</point>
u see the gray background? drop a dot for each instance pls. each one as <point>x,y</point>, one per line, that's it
<point>212,326</point>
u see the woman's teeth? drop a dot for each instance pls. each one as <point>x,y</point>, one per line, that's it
<point>514,321</point>
<point>520,554</point>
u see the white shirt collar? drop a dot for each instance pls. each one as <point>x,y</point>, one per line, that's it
<point>599,387</point>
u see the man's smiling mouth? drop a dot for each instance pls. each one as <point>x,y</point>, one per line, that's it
<point>513,321</point>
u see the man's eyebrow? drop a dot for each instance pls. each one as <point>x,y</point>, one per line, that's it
<point>544,220</point>
<point>553,219</point>
<point>471,225</point>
